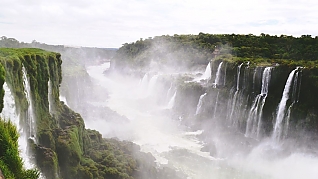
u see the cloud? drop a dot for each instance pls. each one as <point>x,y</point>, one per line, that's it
<point>115,22</point>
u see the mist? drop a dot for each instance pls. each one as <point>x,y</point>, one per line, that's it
<point>153,108</point>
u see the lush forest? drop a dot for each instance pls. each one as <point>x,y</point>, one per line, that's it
<point>198,49</point>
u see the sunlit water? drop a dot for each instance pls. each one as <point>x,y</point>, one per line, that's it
<point>175,145</point>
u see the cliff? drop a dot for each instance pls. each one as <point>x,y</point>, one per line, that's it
<point>233,100</point>
<point>234,95</point>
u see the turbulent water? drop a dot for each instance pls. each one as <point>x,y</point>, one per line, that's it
<point>173,144</point>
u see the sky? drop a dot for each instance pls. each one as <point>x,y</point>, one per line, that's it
<point>111,23</point>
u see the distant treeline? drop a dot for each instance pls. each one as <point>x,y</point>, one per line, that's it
<point>245,46</point>
<point>70,54</point>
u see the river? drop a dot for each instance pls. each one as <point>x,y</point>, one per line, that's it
<point>175,145</point>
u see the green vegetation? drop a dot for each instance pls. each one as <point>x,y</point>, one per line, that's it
<point>189,50</point>
<point>11,163</point>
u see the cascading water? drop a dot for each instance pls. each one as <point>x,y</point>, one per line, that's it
<point>152,85</point>
<point>144,81</point>
<point>169,92</point>
<point>254,121</point>
<point>207,73</point>
<point>281,115</point>
<point>198,110</point>
<point>234,99</point>
<point>285,130</point>
<point>216,105</point>
<point>30,112</point>
<point>172,101</point>
<point>218,76</point>
<point>224,78</point>
<point>9,112</point>
<point>50,97</point>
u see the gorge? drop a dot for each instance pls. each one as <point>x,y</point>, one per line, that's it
<point>174,112</point>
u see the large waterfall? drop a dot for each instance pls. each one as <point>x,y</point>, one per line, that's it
<point>50,96</point>
<point>254,121</point>
<point>218,76</point>
<point>281,109</point>
<point>207,73</point>
<point>30,112</point>
<point>233,120</point>
<point>198,110</point>
<point>9,112</point>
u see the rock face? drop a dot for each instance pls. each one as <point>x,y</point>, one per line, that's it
<point>234,101</point>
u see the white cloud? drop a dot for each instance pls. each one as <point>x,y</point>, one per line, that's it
<point>114,22</point>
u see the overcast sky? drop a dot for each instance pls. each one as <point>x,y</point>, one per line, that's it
<point>111,23</point>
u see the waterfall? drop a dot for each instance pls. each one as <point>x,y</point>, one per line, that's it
<point>50,97</point>
<point>234,99</point>
<point>278,127</point>
<point>169,91</point>
<point>218,76</point>
<point>254,77</point>
<point>216,104</point>
<point>238,77</point>
<point>30,112</point>
<point>224,78</point>
<point>9,112</point>
<point>152,84</point>
<point>144,81</point>
<point>254,121</point>
<point>207,73</point>
<point>285,131</point>
<point>172,101</point>
<point>199,105</point>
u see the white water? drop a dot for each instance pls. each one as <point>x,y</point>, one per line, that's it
<point>199,105</point>
<point>50,97</point>
<point>218,76</point>
<point>151,127</point>
<point>254,121</point>
<point>278,127</point>
<point>234,99</point>
<point>9,112</point>
<point>169,92</point>
<point>216,105</point>
<point>152,85</point>
<point>207,73</point>
<point>173,144</point>
<point>144,82</point>
<point>172,101</point>
<point>30,112</point>
<point>238,77</point>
